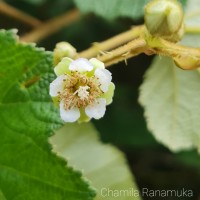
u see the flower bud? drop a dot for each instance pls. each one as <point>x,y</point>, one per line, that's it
<point>63,49</point>
<point>187,62</point>
<point>164,18</point>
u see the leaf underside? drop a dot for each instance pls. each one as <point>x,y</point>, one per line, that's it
<point>102,164</point>
<point>171,99</point>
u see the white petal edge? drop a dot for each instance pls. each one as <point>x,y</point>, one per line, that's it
<point>71,115</point>
<point>104,77</point>
<point>57,85</point>
<point>97,63</point>
<point>96,110</point>
<point>81,65</point>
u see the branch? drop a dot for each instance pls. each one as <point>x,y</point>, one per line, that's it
<point>192,29</point>
<point>112,43</point>
<point>51,26</point>
<point>187,58</point>
<point>19,15</point>
<point>131,49</point>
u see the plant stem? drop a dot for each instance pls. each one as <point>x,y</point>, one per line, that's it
<point>19,15</point>
<point>112,43</point>
<point>192,29</point>
<point>187,58</point>
<point>51,26</point>
<point>124,52</point>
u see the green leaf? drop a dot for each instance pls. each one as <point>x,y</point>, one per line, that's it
<point>192,13</point>
<point>2,197</point>
<point>28,169</point>
<point>171,99</point>
<point>113,8</point>
<point>102,164</point>
<point>184,2</point>
<point>192,40</point>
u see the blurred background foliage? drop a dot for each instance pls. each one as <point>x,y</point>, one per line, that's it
<point>154,166</point>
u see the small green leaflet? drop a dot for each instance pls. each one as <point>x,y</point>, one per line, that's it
<point>28,169</point>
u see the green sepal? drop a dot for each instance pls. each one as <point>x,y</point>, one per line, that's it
<point>63,66</point>
<point>109,94</point>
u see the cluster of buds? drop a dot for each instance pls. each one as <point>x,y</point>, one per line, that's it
<point>82,89</point>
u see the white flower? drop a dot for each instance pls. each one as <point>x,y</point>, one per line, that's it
<point>82,89</point>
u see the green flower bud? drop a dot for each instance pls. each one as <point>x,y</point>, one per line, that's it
<point>164,18</point>
<point>63,49</point>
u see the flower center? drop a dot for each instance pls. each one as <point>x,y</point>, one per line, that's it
<point>80,90</point>
<point>83,92</point>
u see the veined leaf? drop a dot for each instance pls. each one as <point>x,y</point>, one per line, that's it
<point>103,165</point>
<point>28,169</point>
<point>171,99</point>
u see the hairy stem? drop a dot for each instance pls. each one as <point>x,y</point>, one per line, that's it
<point>185,57</point>
<point>131,49</point>
<point>116,41</point>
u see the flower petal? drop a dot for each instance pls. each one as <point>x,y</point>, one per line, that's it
<point>57,85</point>
<point>97,63</point>
<point>69,115</point>
<point>63,66</point>
<point>81,65</point>
<point>96,110</point>
<point>108,96</point>
<point>104,77</point>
